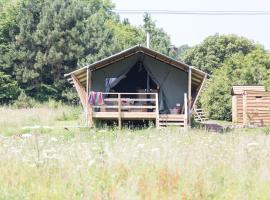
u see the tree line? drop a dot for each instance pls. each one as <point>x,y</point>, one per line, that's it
<point>40,40</point>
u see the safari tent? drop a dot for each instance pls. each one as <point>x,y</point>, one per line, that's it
<point>138,84</point>
<point>250,105</point>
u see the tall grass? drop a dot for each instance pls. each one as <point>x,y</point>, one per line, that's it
<point>12,120</point>
<point>144,164</point>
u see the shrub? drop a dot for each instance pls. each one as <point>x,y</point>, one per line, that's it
<point>9,89</point>
<point>24,101</point>
<point>250,69</point>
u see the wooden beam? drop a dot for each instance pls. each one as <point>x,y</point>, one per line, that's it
<point>157,112</point>
<point>90,108</point>
<point>199,92</point>
<point>245,118</point>
<point>234,108</point>
<point>119,112</point>
<point>186,110</point>
<point>80,90</point>
<point>189,94</point>
<point>87,95</point>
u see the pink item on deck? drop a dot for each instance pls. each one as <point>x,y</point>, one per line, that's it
<point>100,98</point>
<point>92,98</point>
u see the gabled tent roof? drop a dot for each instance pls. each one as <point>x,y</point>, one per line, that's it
<point>197,75</point>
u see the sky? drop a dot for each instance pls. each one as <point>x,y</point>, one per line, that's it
<point>191,30</point>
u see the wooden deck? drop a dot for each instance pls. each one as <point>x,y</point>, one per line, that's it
<point>135,106</point>
<point>124,115</point>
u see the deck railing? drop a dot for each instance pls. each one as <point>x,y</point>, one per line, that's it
<point>136,106</point>
<point>136,103</point>
<point>130,102</point>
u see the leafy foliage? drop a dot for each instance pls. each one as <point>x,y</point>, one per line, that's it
<point>160,41</point>
<point>24,101</point>
<point>9,89</point>
<point>240,69</point>
<point>41,40</point>
<point>215,50</point>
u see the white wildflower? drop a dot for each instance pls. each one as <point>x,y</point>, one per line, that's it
<point>53,139</point>
<point>155,149</point>
<point>252,144</point>
<point>27,135</point>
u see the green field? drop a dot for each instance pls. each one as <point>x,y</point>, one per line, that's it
<point>42,160</point>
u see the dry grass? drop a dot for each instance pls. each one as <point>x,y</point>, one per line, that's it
<point>13,120</point>
<point>142,164</point>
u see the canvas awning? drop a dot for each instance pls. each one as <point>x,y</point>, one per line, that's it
<point>197,75</point>
<point>170,75</point>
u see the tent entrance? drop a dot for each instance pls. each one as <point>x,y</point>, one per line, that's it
<point>136,80</point>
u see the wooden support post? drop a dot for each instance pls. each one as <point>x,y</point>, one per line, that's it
<point>234,108</point>
<point>87,95</point>
<point>119,111</point>
<point>157,111</point>
<point>189,94</point>
<point>245,117</point>
<point>80,89</point>
<point>186,111</point>
<point>199,92</point>
<point>90,108</point>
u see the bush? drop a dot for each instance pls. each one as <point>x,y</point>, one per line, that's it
<point>9,89</point>
<point>24,101</point>
<point>250,69</point>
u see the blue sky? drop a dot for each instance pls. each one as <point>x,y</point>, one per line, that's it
<point>191,30</point>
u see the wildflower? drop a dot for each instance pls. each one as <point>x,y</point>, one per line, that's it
<point>27,135</point>
<point>53,139</point>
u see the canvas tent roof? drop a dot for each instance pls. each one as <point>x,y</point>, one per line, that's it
<point>197,75</point>
<point>239,89</point>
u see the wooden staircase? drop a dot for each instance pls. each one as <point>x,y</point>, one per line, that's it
<point>172,120</point>
<point>199,115</point>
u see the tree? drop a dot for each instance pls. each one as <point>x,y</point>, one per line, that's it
<point>8,11</point>
<point>53,36</point>
<point>9,89</point>
<point>214,50</point>
<point>240,69</point>
<point>160,40</point>
<point>43,39</point>
<point>181,51</point>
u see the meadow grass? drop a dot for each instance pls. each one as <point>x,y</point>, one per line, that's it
<point>98,164</point>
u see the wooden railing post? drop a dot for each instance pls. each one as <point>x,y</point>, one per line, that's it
<point>245,118</point>
<point>157,111</point>
<point>186,110</point>
<point>119,111</point>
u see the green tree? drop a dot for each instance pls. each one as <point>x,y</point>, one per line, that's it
<point>160,40</point>
<point>9,89</point>
<point>53,36</point>
<point>8,11</point>
<point>214,50</point>
<point>240,69</point>
<point>41,40</point>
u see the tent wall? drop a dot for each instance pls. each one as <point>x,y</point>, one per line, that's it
<point>112,71</point>
<point>172,81</point>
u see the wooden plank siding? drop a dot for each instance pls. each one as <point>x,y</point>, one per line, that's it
<point>251,108</point>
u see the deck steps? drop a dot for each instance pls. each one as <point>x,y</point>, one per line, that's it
<point>199,115</point>
<point>172,120</point>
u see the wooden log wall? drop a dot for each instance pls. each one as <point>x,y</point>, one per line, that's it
<point>251,108</point>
